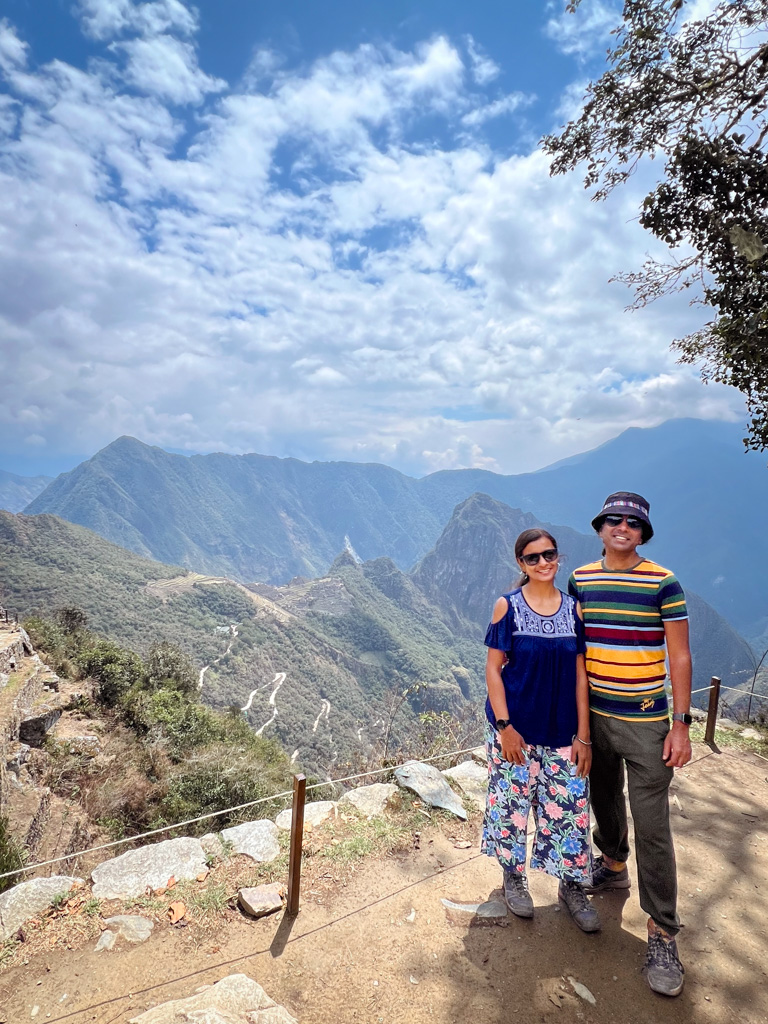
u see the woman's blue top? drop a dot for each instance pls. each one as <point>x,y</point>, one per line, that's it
<point>540,674</point>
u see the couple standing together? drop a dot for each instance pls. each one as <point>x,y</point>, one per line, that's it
<point>576,693</point>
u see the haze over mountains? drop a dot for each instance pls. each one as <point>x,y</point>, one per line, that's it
<point>260,518</point>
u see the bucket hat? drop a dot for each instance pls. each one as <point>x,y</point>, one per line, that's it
<point>626,503</point>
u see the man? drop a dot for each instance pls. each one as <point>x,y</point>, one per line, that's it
<point>633,610</point>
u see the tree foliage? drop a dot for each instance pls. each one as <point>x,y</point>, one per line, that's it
<point>693,93</point>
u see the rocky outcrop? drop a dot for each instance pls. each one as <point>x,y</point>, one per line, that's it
<point>30,899</point>
<point>149,867</point>
<point>236,999</point>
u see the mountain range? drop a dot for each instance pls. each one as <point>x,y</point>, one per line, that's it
<point>323,663</point>
<point>17,491</point>
<point>265,519</point>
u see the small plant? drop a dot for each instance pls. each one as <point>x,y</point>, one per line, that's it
<point>12,856</point>
<point>92,907</point>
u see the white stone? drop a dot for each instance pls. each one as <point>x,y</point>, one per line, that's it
<point>751,734</point>
<point>430,786</point>
<point>255,839</point>
<point>132,927</point>
<point>467,914</point>
<point>213,846</point>
<point>107,940</point>
<point>314,814</point>
<point>235,998</point>
<point>149,867</point>
<point>472,779</point>
<point>30,899</point>
<point>371,800</point>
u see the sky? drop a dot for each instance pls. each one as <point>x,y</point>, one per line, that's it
<point>324,231</point>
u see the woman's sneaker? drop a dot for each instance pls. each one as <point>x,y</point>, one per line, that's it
<point>663,969</point>
<point>516,894</point>
<point>581,910</point>
<point>603,878</point>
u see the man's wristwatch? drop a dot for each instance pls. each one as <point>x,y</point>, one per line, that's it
<point>682,716</point>
<point>502,723</point>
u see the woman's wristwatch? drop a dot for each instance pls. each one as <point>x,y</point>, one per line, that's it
<point>502,723</point>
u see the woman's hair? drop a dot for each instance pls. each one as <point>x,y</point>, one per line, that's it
<point>528,537</point>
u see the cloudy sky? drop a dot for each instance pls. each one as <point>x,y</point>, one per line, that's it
<point>318,230</point>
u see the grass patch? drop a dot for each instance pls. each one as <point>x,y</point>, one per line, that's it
<point>734,740</point>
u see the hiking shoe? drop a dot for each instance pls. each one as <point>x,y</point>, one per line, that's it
<point>516,894</point>
<point>662,966</point>
<point>581,910</point>
<point>604,879</point>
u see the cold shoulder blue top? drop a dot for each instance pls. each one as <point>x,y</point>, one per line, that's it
<point>540,674</point>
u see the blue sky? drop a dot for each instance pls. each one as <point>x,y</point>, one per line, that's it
<point>323,231</point>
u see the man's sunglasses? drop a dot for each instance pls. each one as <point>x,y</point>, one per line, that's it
<point>632,521</point>
<point>549,555</point>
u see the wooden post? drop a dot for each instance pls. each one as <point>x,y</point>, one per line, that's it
<point>297,836</point>
<point>714,704</point>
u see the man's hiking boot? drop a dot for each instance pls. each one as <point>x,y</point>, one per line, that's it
<point>604,879</point>
<point>663,969</point>
<point>516,894</point>
<point>581,910</point>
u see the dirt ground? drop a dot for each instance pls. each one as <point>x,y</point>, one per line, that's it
<point>363,955</point>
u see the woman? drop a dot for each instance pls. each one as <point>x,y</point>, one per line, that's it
<point>537,739</point>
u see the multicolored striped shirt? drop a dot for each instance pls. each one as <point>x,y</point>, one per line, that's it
<point>624,614</point>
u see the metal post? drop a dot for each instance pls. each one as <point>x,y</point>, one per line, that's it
<point>714,704</point>
<point>297,836</point>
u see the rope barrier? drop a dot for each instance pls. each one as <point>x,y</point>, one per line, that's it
<point>737,689</point>
<point>214,814</point>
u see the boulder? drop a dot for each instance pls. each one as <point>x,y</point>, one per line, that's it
<point>255,839</point>
<point>472,780</point>
<point>261,899</point>
<point>236,999</point>
<point>371,800</point>
<point>751,734</point>
<point>314,814</point>
<point>479,754</point>
<point>149,867</point>
<point>430,786</point>
<point>213,846</point>
<point>30,899</point>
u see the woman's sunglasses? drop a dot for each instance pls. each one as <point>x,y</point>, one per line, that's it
<point>632,521</point>
<point>550,555</point>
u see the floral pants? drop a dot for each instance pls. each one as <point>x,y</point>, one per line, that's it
<point>548,783</point>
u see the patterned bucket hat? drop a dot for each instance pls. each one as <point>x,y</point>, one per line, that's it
<point>626,503</point>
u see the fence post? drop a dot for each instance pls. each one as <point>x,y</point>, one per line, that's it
<point>714,704</point>
<point>297,836</point>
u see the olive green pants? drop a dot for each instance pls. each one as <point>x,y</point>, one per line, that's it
<point>636,746</point>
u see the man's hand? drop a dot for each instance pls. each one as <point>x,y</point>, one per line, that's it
<point>677,746</point>
<point>512,745</point>
<point>581,756</point>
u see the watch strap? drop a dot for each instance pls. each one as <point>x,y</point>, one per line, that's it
<point>682,716</point>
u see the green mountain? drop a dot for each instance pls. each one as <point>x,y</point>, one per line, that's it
<point>18,491</point>
<point>253,517</point>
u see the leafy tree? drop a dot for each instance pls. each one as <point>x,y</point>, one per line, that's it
<point>71,618</point>
<point>168,667</point>
<point>694,93</point>
<point>115,669</point>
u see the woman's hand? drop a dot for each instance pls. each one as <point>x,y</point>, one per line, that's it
<point>512,745</point>
<point>581,756</point>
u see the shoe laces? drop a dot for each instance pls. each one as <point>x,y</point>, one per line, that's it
<point>517,882</point>
<point>577,898</point>
<point>663,953</point>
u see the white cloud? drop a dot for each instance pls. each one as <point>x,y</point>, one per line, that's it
<point>106,19</point>
<point>587,31</point>
<point>167,68</point>
<point>310,275</point>
<point>484,69</point>
<point>504,105</point>
<point>13,52</point>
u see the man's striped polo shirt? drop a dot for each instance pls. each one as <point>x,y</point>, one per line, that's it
<point>624,613</point>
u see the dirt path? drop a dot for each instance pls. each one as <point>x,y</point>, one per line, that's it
<point>355,955</point>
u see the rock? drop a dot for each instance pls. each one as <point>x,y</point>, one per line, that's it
<point>261,899</point>
<point>479,755</point>
<point>236,999</point>
<point>132,873</point>
<point>255,839</point>
<point>131,927</point>
<point>371,800</point>
<point>472,779</point>
<point>727,724</point>
<point>314,814</point>
<point>428,784</point>
<point>698,715</point>
<point>18,755</point>
<point>107,939</point>
<point>30,899</point>
<point>582,991</point>
<point>470,914</point>
<point>213,846</point>
<point>751,734</point>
